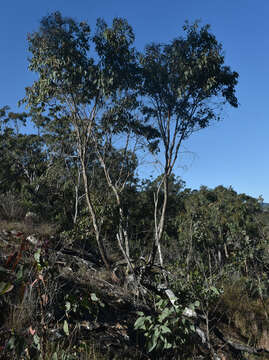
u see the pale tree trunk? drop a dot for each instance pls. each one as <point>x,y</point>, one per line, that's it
<point>82,142</point>
<point>159,221</point>
<point>94,219</point>
<point>122,234</point>
<point>83,132</point>
<point>77,197</point>
<point>76,204</point>
<point>171,146</point>
<point>117,187</point>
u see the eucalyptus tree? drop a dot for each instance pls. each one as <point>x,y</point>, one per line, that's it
<point>185,83</point>
<point>93,90</point>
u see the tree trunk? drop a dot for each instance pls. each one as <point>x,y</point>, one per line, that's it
<point>93,216</point>
<point>159,224</point>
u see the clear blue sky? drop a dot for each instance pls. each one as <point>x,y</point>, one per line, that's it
<point>232,152</point>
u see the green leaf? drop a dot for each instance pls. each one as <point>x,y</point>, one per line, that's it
<point>67,306</point>
<point>151,345</point>
<point>164,314</point>
<point>66,328</point>
<point>157,331</point>
<point>94,297</point>
<point>168,345</point>
<point>37,256</point>
<point>37,341</point>
<point>165,329</point>
<point>140,323</point>
<point>214,290</point>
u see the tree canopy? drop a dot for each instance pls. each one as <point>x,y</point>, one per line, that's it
<point>96,99</point>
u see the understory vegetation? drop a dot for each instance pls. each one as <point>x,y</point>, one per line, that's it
<point>96,261</point>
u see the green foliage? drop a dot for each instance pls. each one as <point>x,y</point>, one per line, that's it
<point>181,83</point>
<point>219,227</point>
<point>179,79</point>
<point>23,158</point>
<point>32,180</point>
<point>168,329</point>
<point>70,76</point>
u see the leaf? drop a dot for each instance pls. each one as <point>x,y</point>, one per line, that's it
<point>214,290</point>
<point>164,314</point>
<point>168,345</point>
<point>5,288</point>
<point>165,329</point>
<point>140,323</point>
<point>37,256</point>
<point>66,328</point>
<point>151,345</point>
<point>37,341</point>
<point>11,343</point>
<point>157,331</point>
<point>67,306</point>
<point>94,297</point>
<point>19,274</point>
<point>154,340</point>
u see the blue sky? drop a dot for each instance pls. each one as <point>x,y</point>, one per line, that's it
<point>232,152</point>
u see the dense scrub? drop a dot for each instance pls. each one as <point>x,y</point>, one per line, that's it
<point>57,299</point>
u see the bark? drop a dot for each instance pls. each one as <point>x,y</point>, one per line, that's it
<point>94,220</point>
<point>76,198</point>
<point>83,133</point>
<point>122,234</point>
<point>159,223</point>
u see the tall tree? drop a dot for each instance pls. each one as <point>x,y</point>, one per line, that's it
<point>95,95</point>
<point>184,85</point>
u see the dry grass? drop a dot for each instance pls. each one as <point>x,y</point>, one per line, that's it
<point>236,298</point>
<point>84,350</point>
<point>248,315</point>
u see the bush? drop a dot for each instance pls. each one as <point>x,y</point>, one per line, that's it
<point>10,207</point>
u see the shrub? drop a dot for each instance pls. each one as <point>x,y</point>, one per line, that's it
<point>10,207</point>
<point>168,328</point>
